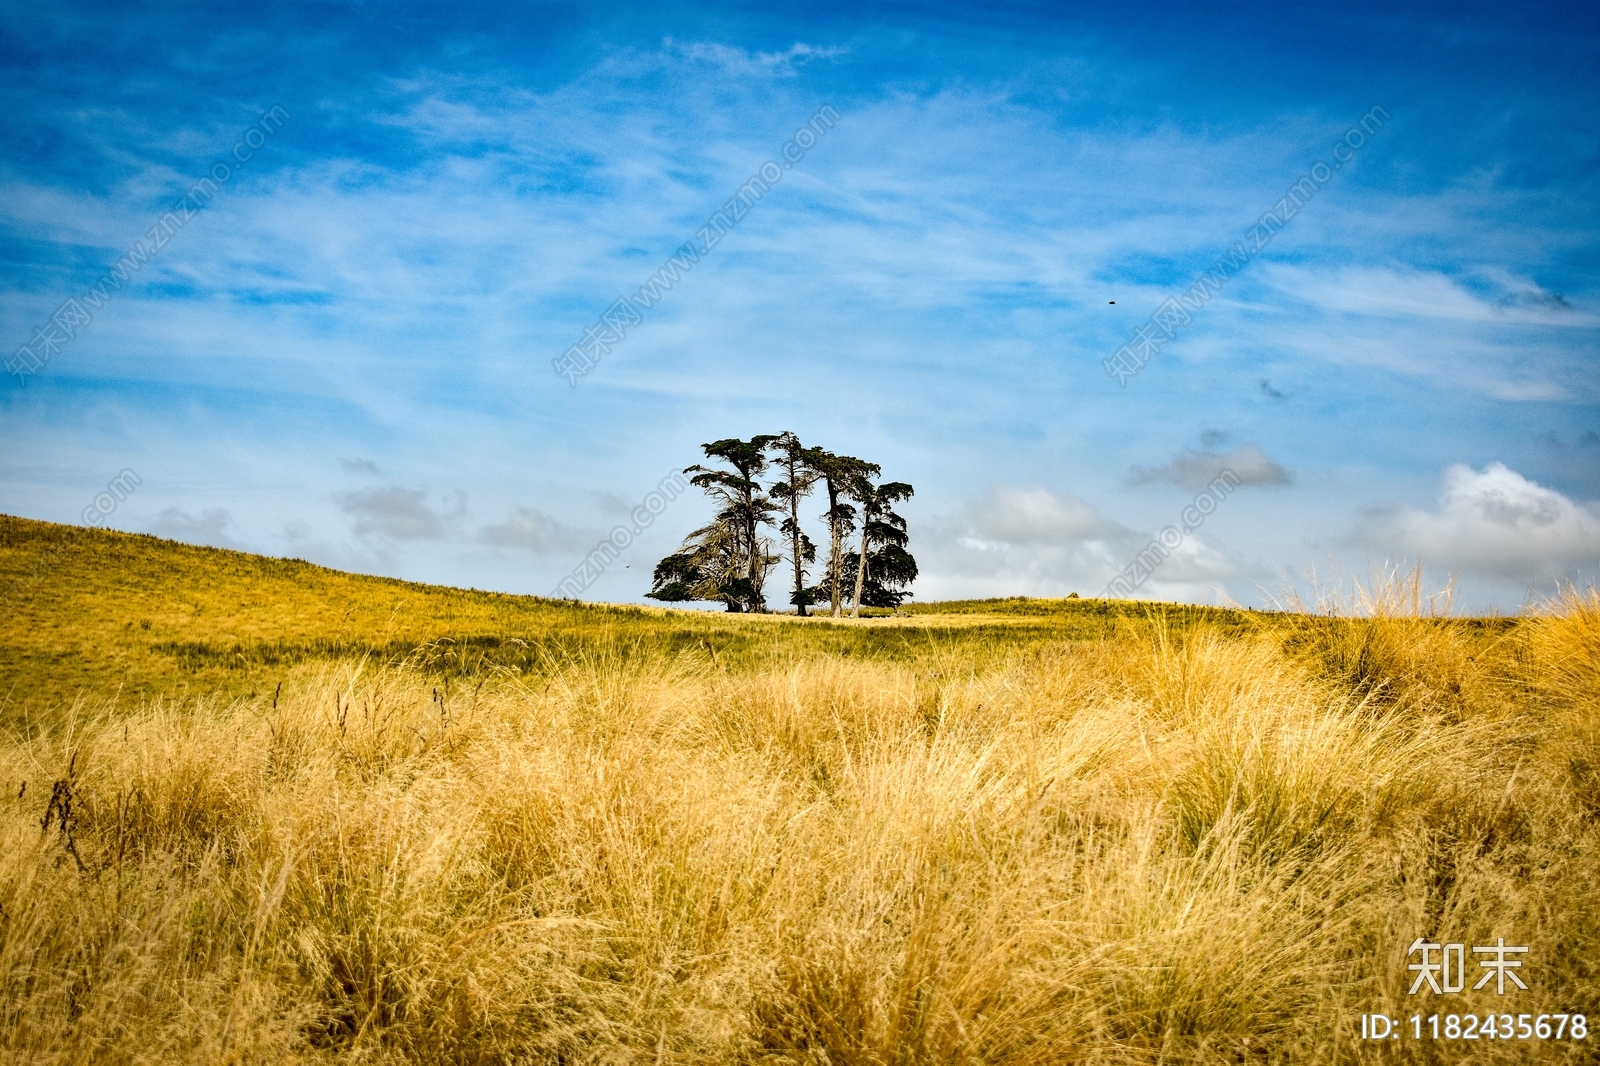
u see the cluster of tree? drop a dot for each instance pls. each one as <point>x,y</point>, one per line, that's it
<point>729,559</point>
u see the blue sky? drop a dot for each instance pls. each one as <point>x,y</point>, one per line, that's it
<point>345,354</point>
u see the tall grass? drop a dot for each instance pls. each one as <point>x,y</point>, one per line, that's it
<point>1203,846</point>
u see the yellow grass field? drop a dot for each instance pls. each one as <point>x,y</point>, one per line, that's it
<point>254,811</point>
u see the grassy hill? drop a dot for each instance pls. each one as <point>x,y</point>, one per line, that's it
<point>253,810</point>
<point>94,613</point>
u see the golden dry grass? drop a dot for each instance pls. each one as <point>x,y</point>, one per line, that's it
<point>1208,843</point>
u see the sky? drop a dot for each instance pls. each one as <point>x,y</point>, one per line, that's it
<point>356,239</point>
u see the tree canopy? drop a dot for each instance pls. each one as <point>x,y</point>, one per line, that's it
<point>728,560</point>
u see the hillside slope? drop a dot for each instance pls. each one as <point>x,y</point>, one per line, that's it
<point>91,613</point>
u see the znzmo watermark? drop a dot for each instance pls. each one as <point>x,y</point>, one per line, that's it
<point>105,503</point>
<point>1166,542</point>
<point>74,314</point>
<point>1174,314</point>
<point>611,328</point>
<point>621,537</point>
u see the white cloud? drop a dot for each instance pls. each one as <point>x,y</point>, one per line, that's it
<point>1010,516</point>
<point>741,61</point>
<point>1484,330</point>
<point>209,527</point>
<point>1488,296</point>
<point>1034,542</point>
<point>396,513</point>
<point>1195,470</point>
<point>1494,523</point>
<point>530,529</point>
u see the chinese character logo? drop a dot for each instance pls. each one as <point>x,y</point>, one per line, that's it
<point>1449,973</point>
<point>1499,967</point>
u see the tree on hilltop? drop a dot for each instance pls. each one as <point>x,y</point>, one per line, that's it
<point>727,559</point>
<point>837,472</point>
<point>882,564</point>
<point>798,480</point>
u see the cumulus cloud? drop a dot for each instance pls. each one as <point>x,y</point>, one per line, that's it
<point>530,529</point>
<point>1494,523</point>
<point>209,527</point>
<point>1035,542</point>
<point>395,513</point>
<point>1195,470</point>
<point>1033,516</point>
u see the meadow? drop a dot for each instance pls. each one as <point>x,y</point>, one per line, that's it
<point>256,811</point>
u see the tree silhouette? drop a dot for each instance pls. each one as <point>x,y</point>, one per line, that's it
<point>837,473</point>
<point>882,527</point>
<point>709,566</point>
<point>798,480</point>
<point>726,560</point>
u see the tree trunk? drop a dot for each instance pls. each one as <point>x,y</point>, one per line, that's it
<point>750,544</point>
<point>861,571</point>
<point>794,544</point>
<point>833,558</point>
<point>755,588</point>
